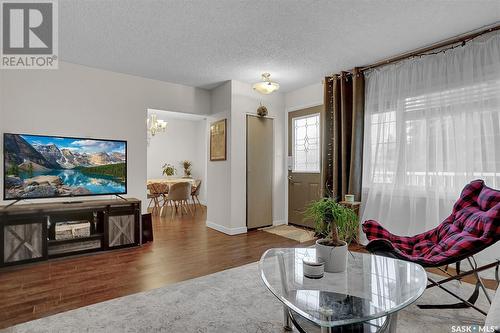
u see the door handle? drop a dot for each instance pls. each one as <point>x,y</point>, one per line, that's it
<point>290,178</point>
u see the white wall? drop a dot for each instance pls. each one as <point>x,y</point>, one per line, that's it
<point>81,101</point>
<point>244,101</point>
<point>218,179</point>
<point>305,97</point>
<point>227,197</point>
<point>184,139</point>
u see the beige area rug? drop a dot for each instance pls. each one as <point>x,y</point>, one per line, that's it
<point>289,231</point>
<point>231,301</point>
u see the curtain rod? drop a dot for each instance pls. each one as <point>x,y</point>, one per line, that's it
<point>454,40</point>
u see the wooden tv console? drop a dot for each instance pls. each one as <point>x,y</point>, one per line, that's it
<point>40,231</point>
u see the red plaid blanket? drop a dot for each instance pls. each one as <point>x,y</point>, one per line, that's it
<point>473,225</point>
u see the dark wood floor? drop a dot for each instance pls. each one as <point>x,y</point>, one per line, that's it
<point>183,248</point>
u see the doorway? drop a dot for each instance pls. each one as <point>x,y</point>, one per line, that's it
<point>304,162</point>
<point>183,139</point>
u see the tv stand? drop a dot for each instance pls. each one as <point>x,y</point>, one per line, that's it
<point>41,231</point>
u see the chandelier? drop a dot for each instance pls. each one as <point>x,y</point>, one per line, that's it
<point>267,86</point>
<point>155,125</point>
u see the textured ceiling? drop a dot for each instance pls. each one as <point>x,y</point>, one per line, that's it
<point>202,43</point>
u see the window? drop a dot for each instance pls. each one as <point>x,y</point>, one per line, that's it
<point>439,137</point>
<point>383,142</point>
<point>306,144</point>
<point>432,125</point>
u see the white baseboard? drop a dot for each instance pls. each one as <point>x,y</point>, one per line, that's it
<point>279,222</point>
<point>226,230</point>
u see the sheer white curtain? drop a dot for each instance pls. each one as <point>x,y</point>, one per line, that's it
<point>432,124</point>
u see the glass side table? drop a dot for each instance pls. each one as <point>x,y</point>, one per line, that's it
<point>364,298</point>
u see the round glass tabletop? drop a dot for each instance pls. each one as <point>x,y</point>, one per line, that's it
<point>371,287</point>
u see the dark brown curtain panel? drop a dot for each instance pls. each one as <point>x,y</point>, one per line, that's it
<point>343,132</point>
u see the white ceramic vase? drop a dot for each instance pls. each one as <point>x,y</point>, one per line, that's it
<point>334,257</point>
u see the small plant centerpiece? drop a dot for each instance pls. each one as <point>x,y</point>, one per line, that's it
<point>187,168</point>
<point>337,226</point>
<point>168,169</point>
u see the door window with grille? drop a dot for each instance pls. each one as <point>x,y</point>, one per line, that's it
<point>306,144</point>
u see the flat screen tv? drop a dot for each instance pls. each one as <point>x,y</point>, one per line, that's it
<point>37,166</point>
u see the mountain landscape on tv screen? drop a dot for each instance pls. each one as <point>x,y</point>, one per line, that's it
<point>41,167</point>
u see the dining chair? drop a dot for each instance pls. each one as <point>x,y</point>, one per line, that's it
<point>157,192</point>
<point>153,197</point>
<point>178,196</point>
<point>195,192</point>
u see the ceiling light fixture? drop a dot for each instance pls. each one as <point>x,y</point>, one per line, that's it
<point>156,125</point>
<point>267,86</point>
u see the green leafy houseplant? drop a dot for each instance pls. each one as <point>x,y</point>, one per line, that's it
<point>333,221</point>
<point>168,169</point>
<point>187,167</point>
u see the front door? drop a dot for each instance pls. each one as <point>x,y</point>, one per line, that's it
<point>304,162</point>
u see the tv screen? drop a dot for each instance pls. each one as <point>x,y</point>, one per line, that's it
<point>38,166</point>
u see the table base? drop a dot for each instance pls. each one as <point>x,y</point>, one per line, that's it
<point>385,324</point>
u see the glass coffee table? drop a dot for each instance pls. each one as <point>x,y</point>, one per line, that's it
<point>364,298</point>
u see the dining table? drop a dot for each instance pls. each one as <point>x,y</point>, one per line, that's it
<point>170,181</point>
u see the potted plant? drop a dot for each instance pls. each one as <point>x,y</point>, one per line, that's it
<point>168,169</point>
<point>187,168</point>
<point>337,226</point>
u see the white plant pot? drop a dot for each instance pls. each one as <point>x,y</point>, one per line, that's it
<point>334,257</point>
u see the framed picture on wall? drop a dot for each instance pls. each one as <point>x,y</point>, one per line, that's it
<point>218,140</point>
